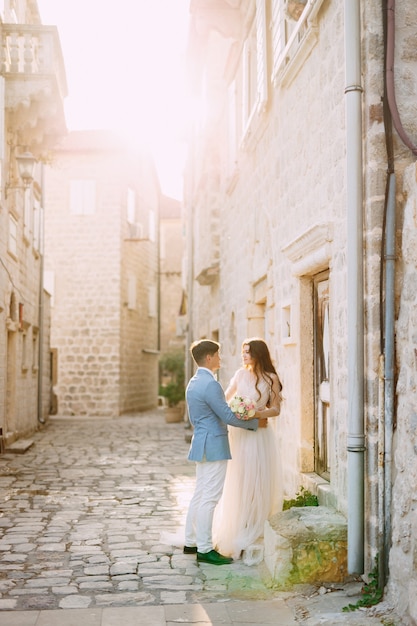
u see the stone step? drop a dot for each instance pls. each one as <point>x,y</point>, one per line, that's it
<point>19,447</point>
<point>306,545</point>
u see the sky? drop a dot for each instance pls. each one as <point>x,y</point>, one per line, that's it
<point>124,63</point>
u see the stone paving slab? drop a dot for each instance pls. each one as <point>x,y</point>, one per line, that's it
<point>246,613</point>
<point>85,519</point>
<point>234,613</point>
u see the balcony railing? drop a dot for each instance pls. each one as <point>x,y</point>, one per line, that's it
<point>31,50</point>
<point>33,70</point>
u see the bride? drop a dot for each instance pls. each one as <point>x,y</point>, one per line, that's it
<point>252,489</point>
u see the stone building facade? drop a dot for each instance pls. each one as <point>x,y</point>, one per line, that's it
<point>300,197</point>
<point>32,90</point>
<point>101,267</point>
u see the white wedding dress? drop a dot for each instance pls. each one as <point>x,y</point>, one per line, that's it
<point>253,486</point>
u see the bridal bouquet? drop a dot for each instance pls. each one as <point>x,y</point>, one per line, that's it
<point>243,408</point>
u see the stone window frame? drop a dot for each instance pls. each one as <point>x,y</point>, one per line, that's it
<point>254,66</point>
<point>292,39</point>
<point>309,253</point>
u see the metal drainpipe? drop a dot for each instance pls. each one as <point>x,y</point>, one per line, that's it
<point>190,261</point>
<point>390,78</point>
<point>355,305</point>
<point>41,419</point>
<point>389,363</point>
<point>158,281</point>
<point>389,257</point>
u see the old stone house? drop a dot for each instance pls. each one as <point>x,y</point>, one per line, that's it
<point>32,89</point>
<point>300,196</point>
<point>102,269</point>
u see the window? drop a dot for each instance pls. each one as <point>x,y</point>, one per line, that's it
<point>12,243</point>
<point>232,129</point>
<point>278,28</point>
<point>255,85</point>
<point>135,228</point>
<point>249,76</point>
<point>322,375</point>
<point>294,34</point>
<point>82,197</point>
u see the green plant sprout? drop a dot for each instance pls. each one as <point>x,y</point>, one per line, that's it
<point>371,592</point>
<point>303,498</point>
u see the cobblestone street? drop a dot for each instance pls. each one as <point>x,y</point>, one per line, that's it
<point>85,515</point>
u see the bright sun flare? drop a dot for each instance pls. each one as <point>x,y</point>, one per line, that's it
<point>125,71</point>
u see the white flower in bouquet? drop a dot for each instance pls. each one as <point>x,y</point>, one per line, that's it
<point>243,408</point>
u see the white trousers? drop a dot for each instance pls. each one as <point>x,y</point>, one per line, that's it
<point>210,476</point>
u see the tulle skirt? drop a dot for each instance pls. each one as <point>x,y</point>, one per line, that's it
<point>252,490</point>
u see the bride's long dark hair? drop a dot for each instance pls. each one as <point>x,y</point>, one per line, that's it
<point>262,364</point>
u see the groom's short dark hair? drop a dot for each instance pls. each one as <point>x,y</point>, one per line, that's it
<point>201,348</point>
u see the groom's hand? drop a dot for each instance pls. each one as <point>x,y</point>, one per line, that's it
<point>263,422</point>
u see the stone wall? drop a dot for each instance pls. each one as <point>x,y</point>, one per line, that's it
<point>403,576</point>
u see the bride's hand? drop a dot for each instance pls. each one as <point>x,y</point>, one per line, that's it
<point>263,422</point>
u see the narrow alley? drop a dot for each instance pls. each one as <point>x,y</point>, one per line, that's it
<point>88,511</point>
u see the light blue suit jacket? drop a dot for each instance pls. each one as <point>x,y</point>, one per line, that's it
<point>209,413</point>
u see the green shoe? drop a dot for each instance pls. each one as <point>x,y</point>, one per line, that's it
<point>213,557</point>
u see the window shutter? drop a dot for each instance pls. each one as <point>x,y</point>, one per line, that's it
<point>245,83</point>
<point>12,241</point>
<point>232,129</point>
<point>90,197</point>
<point>261,55</point>
<point>278,32</point>
<point>82,197</point>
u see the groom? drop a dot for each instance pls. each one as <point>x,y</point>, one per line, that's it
<point>209,414</point>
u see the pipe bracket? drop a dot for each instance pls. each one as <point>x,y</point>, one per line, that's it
<point>353,88</point>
